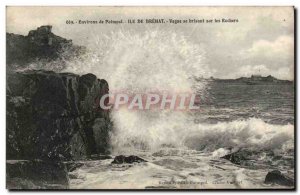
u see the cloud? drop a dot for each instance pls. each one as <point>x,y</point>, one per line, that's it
<point>266,57</point>
<point>282,47</point>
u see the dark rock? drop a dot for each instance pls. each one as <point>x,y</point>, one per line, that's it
<point>71,166</point>
<point>259,159</point>
<point>127,159</point>
<point>36,174</point>
<point>39,44</point>
<point>276,177</point>
<point>238,157</point>
<point>50,118</point>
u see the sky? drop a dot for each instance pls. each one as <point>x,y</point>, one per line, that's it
<point>261,42</point>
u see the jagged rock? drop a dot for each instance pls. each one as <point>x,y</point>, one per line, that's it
<point>55,116</point>
<point>52,117</point>
<point>36,174</point>
<point>39,44</point>
<point>276,177</point>
<point>127,159</point>
<point>238,157</point>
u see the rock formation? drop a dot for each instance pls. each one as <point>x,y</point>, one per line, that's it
<point>127,159</point>
<point>55,116</point>
<point>36,174</point>
<point>39,44</point>
<point>238,157</point>
<point>276,177</point>
<point>52,118</point>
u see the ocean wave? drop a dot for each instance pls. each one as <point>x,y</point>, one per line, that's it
<point>252,133</point>
<point>165,60</point>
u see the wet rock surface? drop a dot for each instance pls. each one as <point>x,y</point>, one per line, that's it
<point>260,159</point>
<point>238,157</point>
<point>276,177</point>
<point>53,119</point>
<point>265,160</point>
<point>121,159</point>
<point>55,116</point>
<point>36,174</point>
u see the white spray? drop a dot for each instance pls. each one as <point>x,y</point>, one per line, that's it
<point>163,60</point>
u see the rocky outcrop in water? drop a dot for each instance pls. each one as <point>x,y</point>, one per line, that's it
<point>40,44</point>
<point>36,174</point>
<point>264,160</point>
<point>55,116</point>
<point>255,159</point>
<point>127,159</point>
<point>276,177</point>
<point>238,157</point>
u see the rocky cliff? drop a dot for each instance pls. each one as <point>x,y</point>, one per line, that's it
<point>52,119</point>
<point>55,116</point>
<point>39,45</point>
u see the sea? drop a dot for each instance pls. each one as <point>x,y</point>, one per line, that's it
<point>184,149</point>
<point>257,118</point>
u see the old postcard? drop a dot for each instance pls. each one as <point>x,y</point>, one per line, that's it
<point>171,98</point>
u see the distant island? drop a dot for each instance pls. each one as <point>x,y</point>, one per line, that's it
<point>253,80</point>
